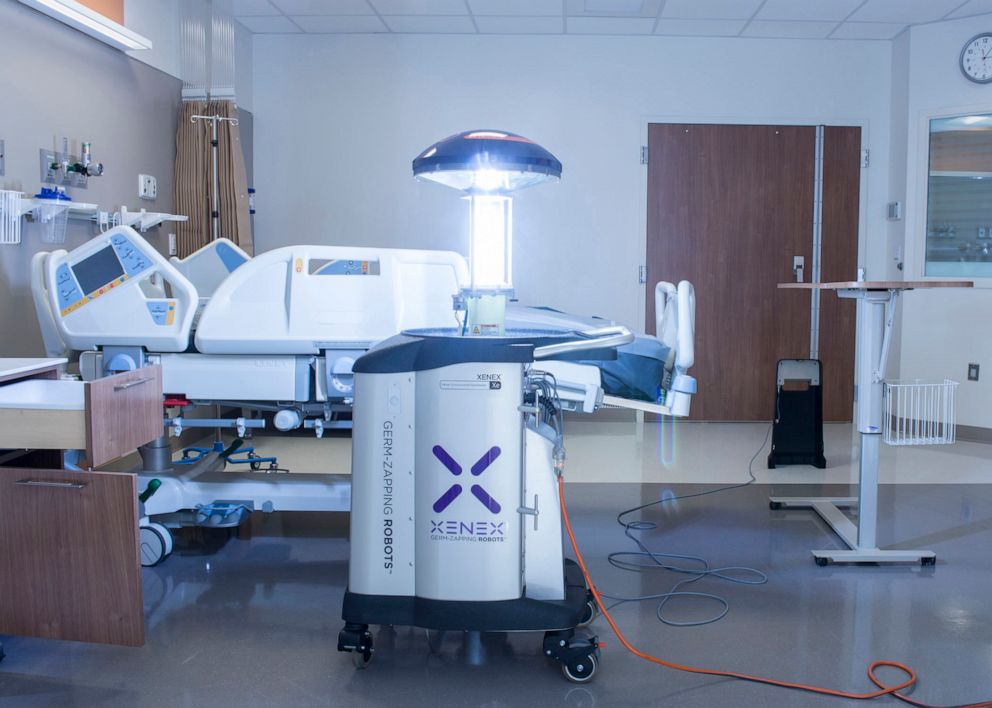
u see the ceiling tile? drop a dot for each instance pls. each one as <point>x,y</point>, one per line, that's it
<point>907,11</point>
<point>868,30</point>
<point>269,25</point>
<point>420,7</point>
<point>711,9</point>
<point>612,8</point>
<point>703,28</point>
<point>789,30</point>
<point>609,25</point>
<point>254,7</point>
<point>489,24</point>
<point>324,7</point>
<point>340,24</point>
<point>973,7</point>
<point>808,10</point>
<point>435,24</point>
<point>544,8</point>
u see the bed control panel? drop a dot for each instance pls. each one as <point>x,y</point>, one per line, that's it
<point>110,291</point>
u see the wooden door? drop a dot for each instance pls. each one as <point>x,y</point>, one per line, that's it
<point>729,206</point>
<point>69,566</point>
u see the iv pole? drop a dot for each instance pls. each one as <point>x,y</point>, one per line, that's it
<point>214,206</point>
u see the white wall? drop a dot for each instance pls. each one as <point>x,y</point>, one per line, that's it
<point>158,20</point>
<point>942,331</point>
<point>339,119</point>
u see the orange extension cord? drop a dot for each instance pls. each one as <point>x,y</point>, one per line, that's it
<point>883,690</point>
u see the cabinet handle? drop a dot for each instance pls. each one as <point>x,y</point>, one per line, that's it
<point>43,483</point>
<point>129,384</point>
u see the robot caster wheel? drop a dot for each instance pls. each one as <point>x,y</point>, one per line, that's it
<point>154,543</point>
<point>581,670</point>
<point>928,561</point>
<point>357,639</point>
<point>578,656</point>
<point>774,506</point>
<point>361,659</point>
<point>822,561</point>
<point>590,613</point>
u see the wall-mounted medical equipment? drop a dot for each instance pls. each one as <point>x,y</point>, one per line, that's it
<point>50,207</point>
<point>488,166</point>
<point>67,170</point>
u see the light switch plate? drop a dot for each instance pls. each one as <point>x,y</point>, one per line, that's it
<point>973,372</point>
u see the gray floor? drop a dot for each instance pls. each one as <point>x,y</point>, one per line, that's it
<point>253,621</point>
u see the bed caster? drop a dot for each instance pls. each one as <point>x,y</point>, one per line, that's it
<point>579,657</point>
<point>590,613</point>
<point>774,506</point>
<point>357,639</point>
<point>931,560</point>
<point>822,561</point>
<point>154,543</point>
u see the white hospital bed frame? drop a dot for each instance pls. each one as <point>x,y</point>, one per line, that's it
<point>277,333</point>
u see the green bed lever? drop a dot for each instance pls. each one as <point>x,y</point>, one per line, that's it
<point>152,487</point>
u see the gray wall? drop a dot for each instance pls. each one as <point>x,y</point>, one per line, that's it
<point>124,107</point>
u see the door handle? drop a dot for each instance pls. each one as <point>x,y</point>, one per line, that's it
<point>798,266</point>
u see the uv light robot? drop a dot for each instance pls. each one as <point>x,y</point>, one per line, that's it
<point>457,445</point>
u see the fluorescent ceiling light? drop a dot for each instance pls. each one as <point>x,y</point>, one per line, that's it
<point>82,18</point>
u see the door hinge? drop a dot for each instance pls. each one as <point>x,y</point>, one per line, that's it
<point>865,157</point>
<point>642,274</point>
<point>644,154</point>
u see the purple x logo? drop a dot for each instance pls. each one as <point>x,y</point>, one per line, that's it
<point>455,490</point>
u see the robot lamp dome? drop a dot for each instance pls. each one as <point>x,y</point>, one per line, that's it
<point>487,166</point>
<point>487,162</point>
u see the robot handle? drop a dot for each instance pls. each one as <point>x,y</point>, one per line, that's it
<point>598,338</point>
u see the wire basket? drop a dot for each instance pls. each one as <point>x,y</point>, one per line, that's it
<point>10,217</point>
<point>919,412</point>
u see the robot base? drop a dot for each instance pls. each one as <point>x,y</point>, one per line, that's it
<point>578,656</point>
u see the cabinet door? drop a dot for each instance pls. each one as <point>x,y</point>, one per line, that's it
<point>69,566</point>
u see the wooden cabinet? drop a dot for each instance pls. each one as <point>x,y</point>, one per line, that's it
<point>69,564</point>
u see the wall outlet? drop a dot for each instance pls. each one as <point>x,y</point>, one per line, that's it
<point>147,187</point>
<point>173,249</point>
<point>973,372</point>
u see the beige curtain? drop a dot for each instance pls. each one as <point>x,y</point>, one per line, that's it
<point>194,178</point>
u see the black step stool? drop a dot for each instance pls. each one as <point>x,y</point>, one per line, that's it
<point>797,431</point>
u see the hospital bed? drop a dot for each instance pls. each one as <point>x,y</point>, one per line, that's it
<point>277,335</point>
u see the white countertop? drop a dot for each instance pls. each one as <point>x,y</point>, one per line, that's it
<point>16,366</point>
<point>44,394</point>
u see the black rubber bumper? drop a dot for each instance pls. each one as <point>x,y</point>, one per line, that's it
<point>521,615</point>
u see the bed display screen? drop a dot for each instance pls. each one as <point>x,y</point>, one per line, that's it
<point>98,270</point>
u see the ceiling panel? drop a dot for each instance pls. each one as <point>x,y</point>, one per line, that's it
<point>808,10</point>
<point>489,24</point>
<point>339,24</point>
<point>973,7</point>
<point>905,11</point>
<point>789,30</point>
<point>420,7</point>
<point>324,7</point>
<point>609,25</point>
<point>276,24</point>
<point>254,7</point>
<point>435,24</point>
<point>613,8</point>
<point>711,9</point>
<point>545,8</point>
<point>702,28</point>
<point>868,30</point>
